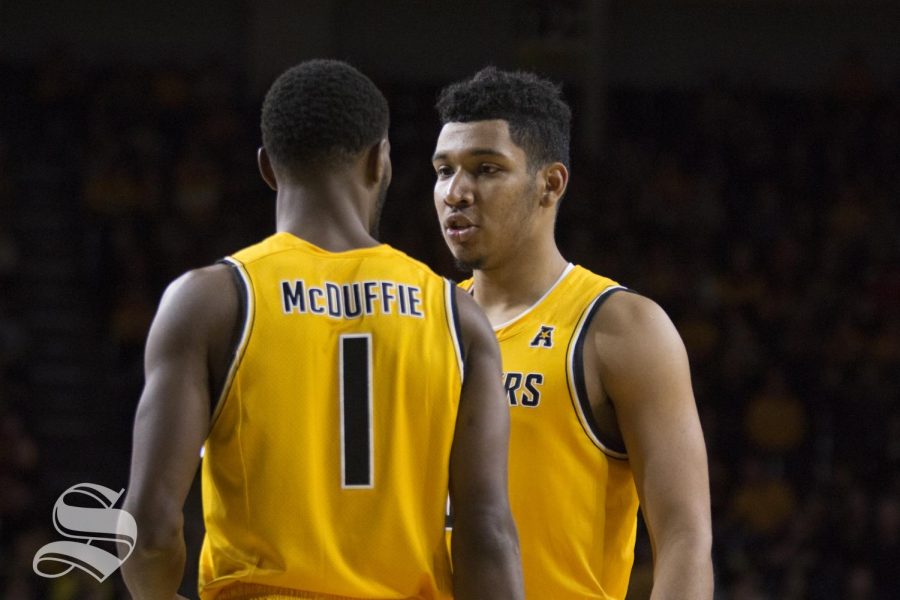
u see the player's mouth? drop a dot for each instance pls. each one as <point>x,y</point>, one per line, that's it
<point>459,229</point>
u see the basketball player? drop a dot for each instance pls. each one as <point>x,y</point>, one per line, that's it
<point>597,378</point>
<point>338,388</point>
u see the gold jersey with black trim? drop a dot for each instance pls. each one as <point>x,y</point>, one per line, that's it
<point>325,472</point>
<point>572,492</point>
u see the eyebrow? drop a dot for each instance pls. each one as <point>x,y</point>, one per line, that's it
<point>472,152</point>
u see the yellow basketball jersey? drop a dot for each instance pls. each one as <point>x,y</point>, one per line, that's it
<point>326,467</point>
<point>573,497</point>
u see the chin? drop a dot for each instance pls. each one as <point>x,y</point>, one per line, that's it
<point>466,257</point>
<point>468,263</point>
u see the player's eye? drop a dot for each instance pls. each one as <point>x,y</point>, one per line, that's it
<point>488,169</point>
<point>443,171</point>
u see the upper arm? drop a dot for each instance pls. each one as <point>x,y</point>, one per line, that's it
<point>173,415</point>
<point>644,370</point>
<point>478,462</point>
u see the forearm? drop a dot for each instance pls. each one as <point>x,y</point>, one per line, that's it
<point>486,562</point>
<point>154,572</point>
<point>682,569</point>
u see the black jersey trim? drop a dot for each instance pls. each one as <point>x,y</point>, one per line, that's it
<point>240,336</point>
<point>448,515</point>
<point>455,325</point>
<point>576,372</point>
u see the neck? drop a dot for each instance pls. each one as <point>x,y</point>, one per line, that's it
<point>517,283</point>
<point>329,214</point>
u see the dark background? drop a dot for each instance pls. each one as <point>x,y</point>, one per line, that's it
<point>736,161</point>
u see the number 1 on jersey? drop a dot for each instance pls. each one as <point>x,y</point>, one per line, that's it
<point>356,410</point>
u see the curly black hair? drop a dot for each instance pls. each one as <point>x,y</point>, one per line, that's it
<point>539,119</point>
<point>321,111</point>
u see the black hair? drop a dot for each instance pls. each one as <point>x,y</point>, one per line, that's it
<point>538,117</point>
<point>321,111</point>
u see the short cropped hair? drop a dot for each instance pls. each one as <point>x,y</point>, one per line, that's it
<point>320,112</point>
<point>539,119</point>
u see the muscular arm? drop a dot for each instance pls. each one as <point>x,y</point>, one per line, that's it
<point>644,370</point>
<point>193,322</point>
<point>486,562</point>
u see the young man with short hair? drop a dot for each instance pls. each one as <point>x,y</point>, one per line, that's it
<point>597,378</point>
<point>338,387</point>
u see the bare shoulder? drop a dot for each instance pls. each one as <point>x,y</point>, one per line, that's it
<point>201,301</point>
<point>630,331</point>
<point>204,286</point>
<point>623,311</point>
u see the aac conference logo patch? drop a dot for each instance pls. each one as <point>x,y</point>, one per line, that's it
<point>544,337</point>
<point>89,525</point>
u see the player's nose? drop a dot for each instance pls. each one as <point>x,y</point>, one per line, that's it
<point>459,190</point>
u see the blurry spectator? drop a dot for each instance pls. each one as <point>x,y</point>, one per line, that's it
<point>198,188</point>
<point>853,80</point>
<point>775,420</point>
<point>763,502</point>
<point>18,458</point>
<point>859,583</point>
<point>886,546</point>
<point>9,253</point>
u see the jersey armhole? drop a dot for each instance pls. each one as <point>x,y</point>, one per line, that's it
<point>576,379</point>
<point>454,325</point>
<point>240,335</point>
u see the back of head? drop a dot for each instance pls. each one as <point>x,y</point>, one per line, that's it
<point>320,114</point>
<point>538,117</point>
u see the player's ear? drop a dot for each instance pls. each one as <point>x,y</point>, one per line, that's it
<point>265,168</point>
<point>378,163</point>
<point>555,179</point>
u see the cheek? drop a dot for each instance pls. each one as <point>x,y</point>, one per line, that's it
<point>437,197</point>
<point>511,223</point>
<point>510,211</point>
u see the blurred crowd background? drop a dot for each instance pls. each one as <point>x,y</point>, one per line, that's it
<point>763,213</point>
